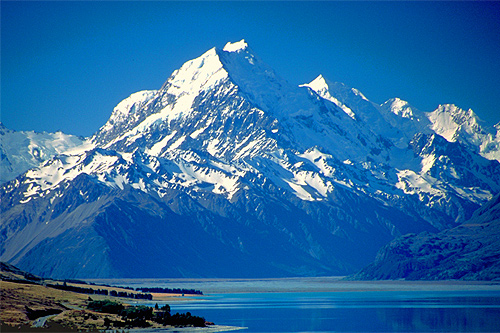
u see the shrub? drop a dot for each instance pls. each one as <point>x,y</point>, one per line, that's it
<point>106,306</point>
<point>137,312</point>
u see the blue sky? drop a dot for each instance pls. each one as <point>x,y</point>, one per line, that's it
<point>65,65</point>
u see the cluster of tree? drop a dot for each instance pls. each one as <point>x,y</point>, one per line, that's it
<point>79,290</point>
<point>105,306</point>
<point>132,316</point>
<point>130,295</point>
<point>170,291</point>
<point>92,291</point>
<point>137,316</point>
<point>182,319</point>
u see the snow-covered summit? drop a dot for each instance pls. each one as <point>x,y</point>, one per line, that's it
<point>402,108</point>
<point>456,124</point>
<point>236,47</point>
<point>125,115</point>
<point>129,108</point>
<point>399,121</point>
<point>450,121</point>
<point>229,107</point>
<point>321,87</point>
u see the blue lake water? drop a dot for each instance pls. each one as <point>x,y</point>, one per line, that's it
<point>352,311</point>
<point>332,305</point>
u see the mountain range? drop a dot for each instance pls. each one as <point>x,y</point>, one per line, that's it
<point>228,170</point>
<point>21,151</point>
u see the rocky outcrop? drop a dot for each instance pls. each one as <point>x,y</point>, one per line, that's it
<point>470,251</point>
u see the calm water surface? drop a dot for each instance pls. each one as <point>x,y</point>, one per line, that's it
<point>352,311</point>
<point>345,307</point>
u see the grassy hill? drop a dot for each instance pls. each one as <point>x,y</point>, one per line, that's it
<point>27,299</point>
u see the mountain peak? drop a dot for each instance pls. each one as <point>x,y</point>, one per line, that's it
<point>236,47</point>
<point>321,86</point>
<point>401,108</point>
<point>448,120</point>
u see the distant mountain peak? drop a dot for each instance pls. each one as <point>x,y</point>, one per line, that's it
<point>402,108</point>
<point>321,86</point>
<point>449,121</point>
<point>23,150</point>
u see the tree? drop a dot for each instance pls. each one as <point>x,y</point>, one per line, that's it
<point>107,322</point>
<point>165,308</point>
<point>140,312</point>
<point>105,306</point>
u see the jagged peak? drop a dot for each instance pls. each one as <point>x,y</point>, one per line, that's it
<point>318,84</point>
<point>125,113</point>
<point>450,115</point>
<point>195,71</point>
<point>242,45</point>
<point>320,79</point>
<point>396,101</point>
<point>321,86</point>
<point>456,111</point>
<point>401,108</point>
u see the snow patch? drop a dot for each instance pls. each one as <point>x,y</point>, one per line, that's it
<point>236,47</point>
<point>177,143</point>
<point>158,147</point>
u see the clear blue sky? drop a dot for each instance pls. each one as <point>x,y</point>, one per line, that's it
<point>65,65</point>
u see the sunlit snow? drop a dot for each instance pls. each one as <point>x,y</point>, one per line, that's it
<point>235,47</point>
<point>332,134</point>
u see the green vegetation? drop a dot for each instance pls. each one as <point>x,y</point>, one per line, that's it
<point>184,319</point>
<point>137,316</point>
<point>137,312</point>
<point>106,306</point>
<point>92,291</point>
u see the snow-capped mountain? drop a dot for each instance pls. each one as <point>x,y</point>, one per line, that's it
<point>228,170</point>
<point>455,124</point>
<point>23,150</point>
<point>404,120</point>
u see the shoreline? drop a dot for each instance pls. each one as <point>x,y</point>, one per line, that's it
<point>207,329</point>
<point>314,284</point>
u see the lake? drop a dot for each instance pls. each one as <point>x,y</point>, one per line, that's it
<point>332,305</point>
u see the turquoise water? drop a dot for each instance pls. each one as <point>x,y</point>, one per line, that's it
<point>379,311</point>
<point>328,304</point>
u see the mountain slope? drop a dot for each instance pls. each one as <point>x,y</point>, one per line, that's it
<point>21,151</point>
<point>470,251</point>
<point>228,160</point>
